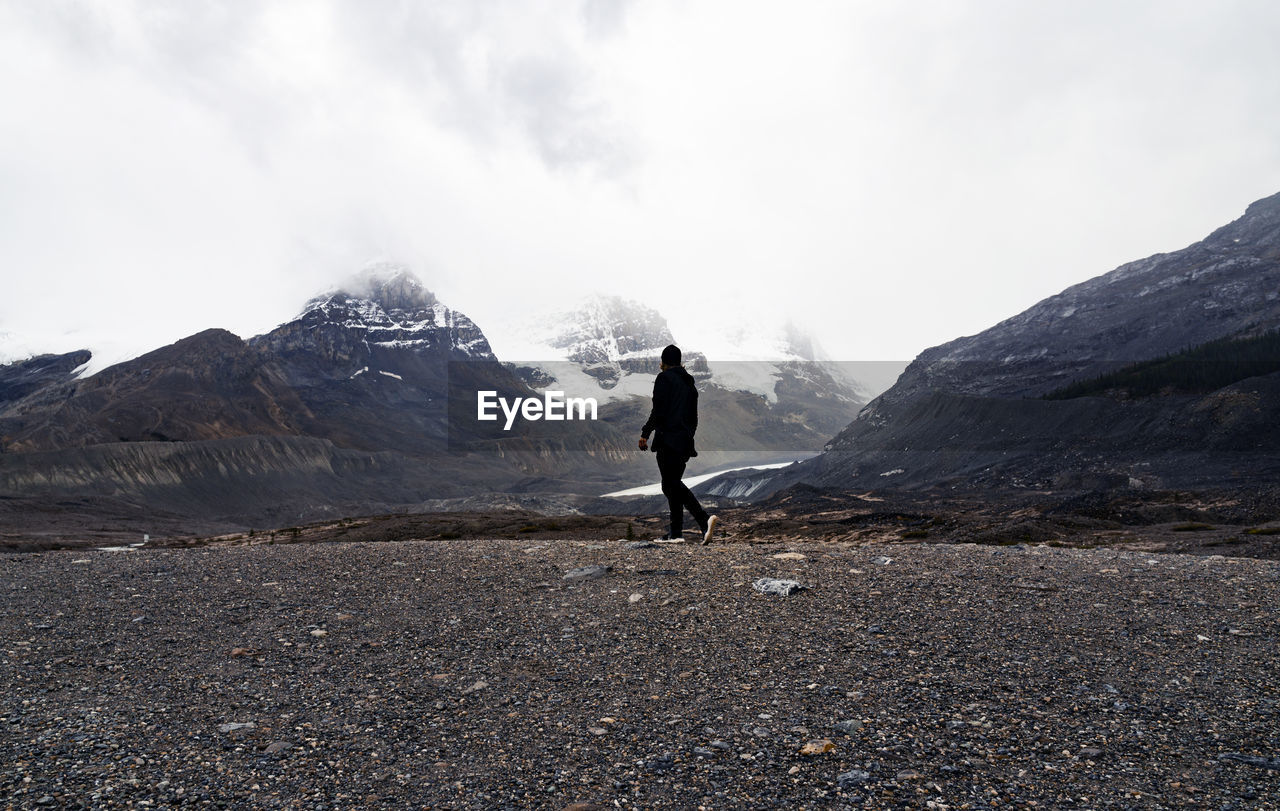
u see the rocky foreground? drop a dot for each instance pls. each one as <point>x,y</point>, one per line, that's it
<point>490,674</point>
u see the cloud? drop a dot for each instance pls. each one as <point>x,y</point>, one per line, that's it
<point>887,175</point>
<point>486,69</point>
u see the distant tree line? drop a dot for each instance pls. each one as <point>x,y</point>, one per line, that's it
<point>1196,370</point>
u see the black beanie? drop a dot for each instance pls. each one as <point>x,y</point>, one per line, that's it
<point>671,355</point>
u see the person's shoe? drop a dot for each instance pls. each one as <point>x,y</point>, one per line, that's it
<point>710,530</point>
<point>669,538</point>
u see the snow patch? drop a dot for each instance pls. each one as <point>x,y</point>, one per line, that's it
<point>656,489</point>
<point>896,471</point>
<point>390,374</point>
<point>756,377</point>
<point>358,373</point>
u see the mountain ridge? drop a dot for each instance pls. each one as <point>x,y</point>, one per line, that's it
<point>968,413</point>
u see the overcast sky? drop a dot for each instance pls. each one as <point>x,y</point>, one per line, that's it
<point>890,175</point>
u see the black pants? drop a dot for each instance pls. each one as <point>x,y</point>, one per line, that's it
<point>671,466</point>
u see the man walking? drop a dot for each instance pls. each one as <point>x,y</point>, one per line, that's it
<point>675,418</point>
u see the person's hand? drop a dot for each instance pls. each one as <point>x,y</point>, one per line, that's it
<point>644,444</point>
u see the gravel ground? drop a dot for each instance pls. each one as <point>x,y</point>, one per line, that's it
<point>474,674</point>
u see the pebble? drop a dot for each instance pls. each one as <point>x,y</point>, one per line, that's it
<point>882,560</point>
<point>232,727</point>
<point>587,572</point>
<point>1272,763</point>
<point>783,588</point>
<point>635,598</point>
<point>818,747</point>
<point>853,777</point>
<point>276,747</point>
<point>788,556</point>
<point>849,727</point>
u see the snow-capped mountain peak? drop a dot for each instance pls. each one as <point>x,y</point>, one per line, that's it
<point>383,307</point>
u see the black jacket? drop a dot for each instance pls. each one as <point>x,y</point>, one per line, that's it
<point>675,412</point>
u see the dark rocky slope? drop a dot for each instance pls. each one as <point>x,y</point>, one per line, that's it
<point>21,379</point>
<point>970,413</point>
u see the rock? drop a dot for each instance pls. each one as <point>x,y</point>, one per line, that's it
<point>848,727</point>
<point>242,652</point>
<point>818,747</point>
<point>788,556</point>
<point>662,762</point>
<point>597,731</point>
<point>851,778</point>
<point>319,634</point>
<point>635,598</point>
<point>587,572</point>
<point>883,560</point>
<point>908,774</point>
<point>479,684</point>
<point>1252,760</point>
<point>276,747</point>
<point>703,751</point>
<point>721,745</point>
<point>1090,751</point>
<point>642,545</point>
<point>783,588</point>
<point>232,727</point>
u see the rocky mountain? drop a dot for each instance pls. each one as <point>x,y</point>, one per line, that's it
<point>21,378</point>
<point>369,397</point>
<point>346,404</point>
<point>365,366</point>
<point>1007,408</point>
<point>772,398</point>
